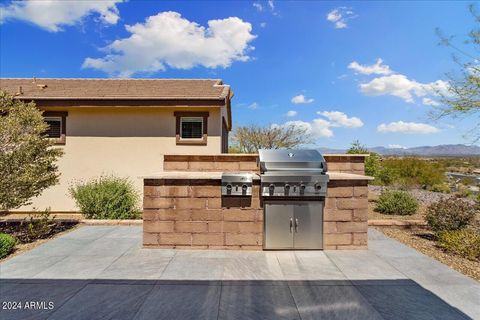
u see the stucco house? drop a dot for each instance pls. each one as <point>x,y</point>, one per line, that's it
<point>124,127</point>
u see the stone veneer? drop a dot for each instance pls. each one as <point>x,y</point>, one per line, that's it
<point>183,207</point>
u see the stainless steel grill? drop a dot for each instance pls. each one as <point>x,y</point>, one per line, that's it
<point>293,189</point>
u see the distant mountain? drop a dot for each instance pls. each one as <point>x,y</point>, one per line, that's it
<point>452,150</point>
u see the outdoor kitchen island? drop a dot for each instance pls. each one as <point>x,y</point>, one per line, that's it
<point>184,208</point>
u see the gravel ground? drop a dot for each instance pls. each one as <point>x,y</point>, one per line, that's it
<point>422,240</point>
<point>424,196</point>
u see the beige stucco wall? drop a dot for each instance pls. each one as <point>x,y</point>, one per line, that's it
<point>126,142</point>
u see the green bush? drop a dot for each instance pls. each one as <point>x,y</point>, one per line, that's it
<point>107,197</point>
<point>7,242</point>
<point>396,202</point>
<point>464,242</point>
<point>441,187</point>
<point>450,213</point>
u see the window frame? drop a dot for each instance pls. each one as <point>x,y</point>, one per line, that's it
<point>191,119</point>
<point>62,115</point>
<point>178,128</point>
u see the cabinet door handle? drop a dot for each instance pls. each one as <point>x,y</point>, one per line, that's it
<point>291,225</point>
<point>296,225</point>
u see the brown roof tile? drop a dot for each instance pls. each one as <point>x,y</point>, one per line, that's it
<point>104,89</point>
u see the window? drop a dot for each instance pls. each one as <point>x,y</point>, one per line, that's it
<point>191,127</point>
<point>55,127</point>
<point>56,121</point>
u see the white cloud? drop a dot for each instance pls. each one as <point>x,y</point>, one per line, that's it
<point>167,39</point>
<point>377,68</point>
<point>271,5</point>
<point>340,16</point>
<point>301,99</point>
<point>53,14</point>
<point>430,102</point>
<point>396,146</point>
<point>340,119</point>
<point>400,86</point>
<point>263,24</point>
<point>253,106</point>
<point>292,113</point>
<point>258,6</point>
<point>407,127</point>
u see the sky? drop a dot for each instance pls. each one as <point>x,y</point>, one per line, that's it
<point>344,71</point>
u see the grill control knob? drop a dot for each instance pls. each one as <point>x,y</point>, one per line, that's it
<point>244,187</point>
<point>271,188</point>
<point>302,188</point>
<point>318,186</point>
<point>229,187</point>
<point>287,188</point>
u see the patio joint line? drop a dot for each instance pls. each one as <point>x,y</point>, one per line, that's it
<point>219,299</point>
<point>144,300</point>
<point>168,263</point>
<point>71,297</point>
<point>294,301</point>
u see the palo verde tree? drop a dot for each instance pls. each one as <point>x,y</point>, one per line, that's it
<point>248,139</point>
<point>462,95</point>
<point>27,156</point>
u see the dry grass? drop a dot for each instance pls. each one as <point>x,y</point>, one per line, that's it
<point>423,241</point>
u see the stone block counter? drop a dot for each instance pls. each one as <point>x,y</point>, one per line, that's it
<point>183,206</point>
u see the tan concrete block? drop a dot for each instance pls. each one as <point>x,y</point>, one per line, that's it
<point>215,226</point>
<point>248,166</point>
<point>354,203</point>
<point>215,214</point>
<point>157,203</point>
<point>175,238</point>
<point>150,238</point>
<point>330,203</point>
<point>360,238</point>
<point>352,227</point>
<point>337,215</point>
<point>231,226</point>
<point>337,238</point>
<point>253,248</point>
<point>159,246</point>
<point>214,203</point>
<point>227,165</point>
<point>358,166</point>
<point>174,214</point>
<point>339,166</point>
<point>149,215</point>
<point>351,247</point>
<point>214,239</point>
<point>329,247</point>
<point>239,215</point>
<point>174,191</point>
<point>175,165</point>
<point>190,203</point>
<point>340,192</point>
<point>224,247</point>
<point>239,239</point>
<point>199,215</point>
<point>201,165</point>
<point>360,215</point>
<point>191,247</point>
<point>259,215</point>
<point>329,227</point>
<point>250,227</point>
<point>206,191</point>
<point>360,192</point>
<point>158,226</point>
<point>191,226</point>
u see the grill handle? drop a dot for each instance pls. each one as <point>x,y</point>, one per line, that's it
<point>296,225</point>
<point>291,225</point>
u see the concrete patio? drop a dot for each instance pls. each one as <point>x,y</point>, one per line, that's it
<point>102,272</point>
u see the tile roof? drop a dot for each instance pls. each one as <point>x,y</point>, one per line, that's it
<point>105,89</point>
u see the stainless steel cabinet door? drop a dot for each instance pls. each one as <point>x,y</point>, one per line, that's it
<point>279,226</point>
<point>308,226</point>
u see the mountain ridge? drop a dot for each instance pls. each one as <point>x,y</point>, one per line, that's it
<point>451,150</point>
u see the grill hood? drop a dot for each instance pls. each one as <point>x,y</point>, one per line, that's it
<point>283,160</point>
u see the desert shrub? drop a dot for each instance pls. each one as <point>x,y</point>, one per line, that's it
<point>37,226</point>
<point>450,213</point>
<point>414,172</point>
<point>464,242</point>
<point>441,187</point>
<point>7,242</point>
<point>107,197</point>
<point>396,202</point>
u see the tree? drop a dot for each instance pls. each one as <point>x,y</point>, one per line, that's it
<point>462,95</point>
<point>27,156</point>
<point>248,139</point>
<point>372,162</point>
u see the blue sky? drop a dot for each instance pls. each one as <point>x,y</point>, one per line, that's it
<point>312,64</point>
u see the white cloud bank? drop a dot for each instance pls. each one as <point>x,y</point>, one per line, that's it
<point>51,15</point>
<point>377,68</point>
<point>430,102</point>
<point>301,99</point>
<point>321,128</point>
<point>168,39</point>
<point>407,127</point>
<point>340,16</point>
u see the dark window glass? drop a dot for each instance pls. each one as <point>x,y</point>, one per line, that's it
<point>192,128</point>
<point>54,128</point>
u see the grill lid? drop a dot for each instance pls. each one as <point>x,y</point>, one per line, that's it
<point>291,160</point>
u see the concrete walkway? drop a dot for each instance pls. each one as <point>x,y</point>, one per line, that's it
<point>102,272</point>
